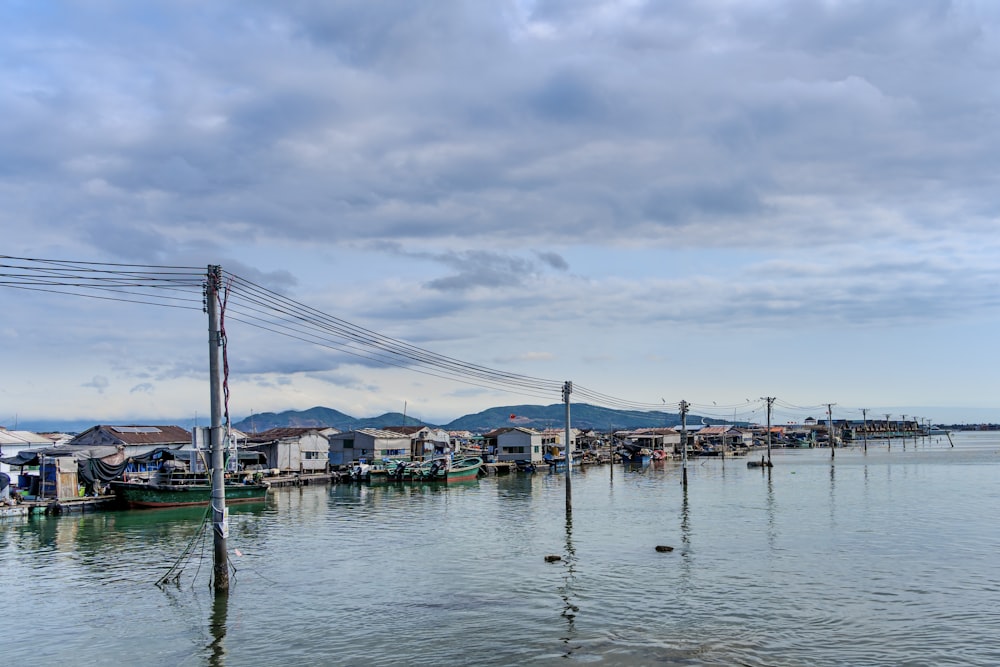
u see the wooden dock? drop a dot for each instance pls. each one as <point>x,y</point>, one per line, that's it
<point>500,467</point>
<point>303,479</point>
<point>50,506</point>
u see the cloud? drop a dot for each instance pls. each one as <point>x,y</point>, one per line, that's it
<point>98,382</point>
<point>143,388</point>
<point>493,179</point>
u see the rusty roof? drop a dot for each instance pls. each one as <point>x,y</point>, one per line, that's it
<point>283,433</point>
<point>135,434</point>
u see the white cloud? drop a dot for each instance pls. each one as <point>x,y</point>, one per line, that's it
<point>611,182</point>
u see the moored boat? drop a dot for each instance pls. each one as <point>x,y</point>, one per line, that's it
<point>439,470</point>
<point>633,454</point>
<point>176,489</point>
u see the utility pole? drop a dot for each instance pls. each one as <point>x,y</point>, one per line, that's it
<point>684,443</point>
<point>888,437</point>
<point>902,430</point>
<point>864,427</point>
<point>770,401</point>
<point>220,528</point>
<point>567,390</point>
<point>829,426</point>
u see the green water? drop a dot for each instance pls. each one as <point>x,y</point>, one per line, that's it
<point>884,558</point>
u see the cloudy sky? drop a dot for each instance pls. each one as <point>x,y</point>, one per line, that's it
<point>707,200</point>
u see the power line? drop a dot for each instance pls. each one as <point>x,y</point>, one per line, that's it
<point>265,309</point>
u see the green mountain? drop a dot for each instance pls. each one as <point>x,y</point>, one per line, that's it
<point>582,416</point>
<point>538,417</point>
<point>313,417</point>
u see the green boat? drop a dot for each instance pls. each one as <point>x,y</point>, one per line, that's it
<point>179,493</point>
<point>463,470</point>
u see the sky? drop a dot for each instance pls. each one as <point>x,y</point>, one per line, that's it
<point>702,200</point>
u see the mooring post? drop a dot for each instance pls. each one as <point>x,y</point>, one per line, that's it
<point>220,528</point>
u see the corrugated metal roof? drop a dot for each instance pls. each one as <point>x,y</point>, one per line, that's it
<point>282,433</point>
<point>23,438</point>
<point>379,433</point>
<point>135,434</point>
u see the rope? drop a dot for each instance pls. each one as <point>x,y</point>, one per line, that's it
<point>174,572</point>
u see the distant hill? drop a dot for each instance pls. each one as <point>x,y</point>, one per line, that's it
<point>538,417</point>
<point>320,417</point>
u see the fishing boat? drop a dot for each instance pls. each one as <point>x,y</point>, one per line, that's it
<point>175,488</point>
<point>633,454</point>
<point>380,472</point>
<point>463,470</point>
<point>439,470</point>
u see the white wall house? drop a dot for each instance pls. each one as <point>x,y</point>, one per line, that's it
<point>423,439</point>
<point>298,449</point>
<point>367,443</point>
<point>518,444</point>
<point>13,442</point>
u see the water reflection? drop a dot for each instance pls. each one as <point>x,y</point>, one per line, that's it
<point>772,533</point>
<point>833,494</point>
<point>567,590</point>
<point>685,534</point>
<point>217,628</point>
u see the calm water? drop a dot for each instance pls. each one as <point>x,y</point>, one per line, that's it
<point>889,558</point>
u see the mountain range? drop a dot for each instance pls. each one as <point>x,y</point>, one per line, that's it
<point>582,416</point>
<point>539,417</point>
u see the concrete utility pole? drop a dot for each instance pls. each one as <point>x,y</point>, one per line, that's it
<point>829,426</point>
<point>220,528</point>
<point>770,402</point>
<point>864,426</point>
<point>684,443</point>
<point>567,390</point>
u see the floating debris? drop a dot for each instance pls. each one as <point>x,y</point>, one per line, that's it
<point>663,548</point>
<point>552,558</point>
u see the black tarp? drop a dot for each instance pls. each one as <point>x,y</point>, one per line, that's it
<point>22,458</point>
<point>4,480</point>
<point>94,472</point>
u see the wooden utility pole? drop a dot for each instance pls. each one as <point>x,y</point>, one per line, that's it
<point>220,528</point>
<point>567,391</point>
<point>684,443</point>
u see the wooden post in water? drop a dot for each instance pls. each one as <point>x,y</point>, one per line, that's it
<point>220,528</point>
<point>888,436</point>
<point>567,390</point>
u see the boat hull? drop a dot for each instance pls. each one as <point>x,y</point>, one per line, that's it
<point>466,470</point>
<point>176,495</point>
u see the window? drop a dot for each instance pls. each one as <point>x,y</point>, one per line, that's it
<point>312,455</point>
<point>349,444</point>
